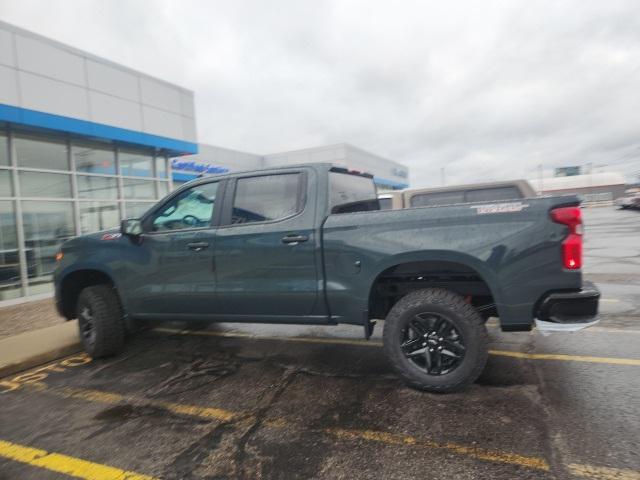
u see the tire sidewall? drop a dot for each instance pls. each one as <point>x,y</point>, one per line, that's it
<point>107,320</point>
<point>85,301</point>
<point>467,322</point>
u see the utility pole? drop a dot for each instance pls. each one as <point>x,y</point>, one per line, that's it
<point>442,182</point>
<point>540,186</point>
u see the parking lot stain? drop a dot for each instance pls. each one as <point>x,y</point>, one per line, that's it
<point>127,407</point>
<point>229,448</point>
<point>365,343</point>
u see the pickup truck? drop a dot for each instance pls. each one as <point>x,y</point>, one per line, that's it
<point>308,244</point>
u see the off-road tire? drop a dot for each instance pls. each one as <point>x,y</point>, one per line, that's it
<point>108,334</point>
<point>467,321</point>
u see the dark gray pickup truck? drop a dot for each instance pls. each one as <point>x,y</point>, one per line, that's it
<point>309,245</point>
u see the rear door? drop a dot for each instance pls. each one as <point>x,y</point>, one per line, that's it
<point>266,246</point>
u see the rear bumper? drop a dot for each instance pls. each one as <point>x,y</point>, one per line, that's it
<point>570,308</point>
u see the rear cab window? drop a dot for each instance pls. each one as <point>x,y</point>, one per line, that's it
<point>386,203</point>
<point>354,191</point>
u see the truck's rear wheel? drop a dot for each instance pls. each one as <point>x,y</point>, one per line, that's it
<point>102,329</point>
<point>435,340</point>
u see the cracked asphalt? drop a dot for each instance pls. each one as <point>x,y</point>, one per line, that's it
<point>283,402</point>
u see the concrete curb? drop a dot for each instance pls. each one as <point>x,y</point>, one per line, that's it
<point>30,349</point>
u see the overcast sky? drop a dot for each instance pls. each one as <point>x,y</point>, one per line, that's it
<point>488,90</point>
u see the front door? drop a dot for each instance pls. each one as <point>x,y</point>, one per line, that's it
<point>266,250</point>
<point>181,235</point>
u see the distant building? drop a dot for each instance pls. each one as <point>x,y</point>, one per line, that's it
<point>567,171</point>
<point>592,187</point>
<point>212,160</point>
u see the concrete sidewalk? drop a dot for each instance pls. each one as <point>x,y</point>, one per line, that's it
<point>17,316</point>
<point>29,349</point>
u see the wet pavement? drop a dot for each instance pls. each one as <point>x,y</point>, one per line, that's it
<point>283,402</point>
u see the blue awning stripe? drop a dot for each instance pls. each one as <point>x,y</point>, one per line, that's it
<point>34,118</point>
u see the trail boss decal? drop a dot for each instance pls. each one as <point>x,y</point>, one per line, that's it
<point>111,236</point>
<point>500,208</point>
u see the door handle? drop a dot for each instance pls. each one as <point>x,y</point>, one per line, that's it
<point>197,246</point>
<point>295,239</point>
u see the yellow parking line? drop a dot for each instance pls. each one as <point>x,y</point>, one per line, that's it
<point>365,343</point>
<point>567,358</point>
<point>72,466</point>
<point>602,473</point>
<point>536,463</point>
<point>178,408</point>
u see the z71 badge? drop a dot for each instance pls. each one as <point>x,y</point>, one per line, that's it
<point>500,208</point>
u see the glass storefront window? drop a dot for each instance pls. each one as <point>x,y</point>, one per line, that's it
<point>161,167</point>
<point>46,226</point>
<point>135,164</point>
<point>4,149</point>
<point>163,189</point>
<point>134,188</point>
<point>97,187</point>
<point>37,153</point>
<point>96,216</point>
<point>38,184</point>
<point>6,189</point>
<point>137,209</point>
<point>89,159</point>
<point>9,257</point>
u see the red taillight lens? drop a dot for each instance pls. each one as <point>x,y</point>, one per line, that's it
<point>572,245</point>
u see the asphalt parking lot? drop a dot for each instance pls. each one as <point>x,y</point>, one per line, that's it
<point>255,401</point>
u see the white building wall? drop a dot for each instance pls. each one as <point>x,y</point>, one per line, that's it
<point>233,160</point>
<point>344,155</point>
<point>37,73</point>
<point>331,153</point>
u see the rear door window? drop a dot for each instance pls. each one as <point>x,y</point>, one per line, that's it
<point>267,198</point>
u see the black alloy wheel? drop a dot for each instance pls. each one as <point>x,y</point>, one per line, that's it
<point>432,342</point>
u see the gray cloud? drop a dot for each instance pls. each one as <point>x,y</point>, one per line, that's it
<point>488,90</point>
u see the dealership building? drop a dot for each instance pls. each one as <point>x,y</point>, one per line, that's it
<point>85,142</point>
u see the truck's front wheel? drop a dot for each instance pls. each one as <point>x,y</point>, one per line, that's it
<point>102,329</point>
<point>435,340</point>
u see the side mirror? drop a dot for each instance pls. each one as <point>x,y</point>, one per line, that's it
<point>131,227</point>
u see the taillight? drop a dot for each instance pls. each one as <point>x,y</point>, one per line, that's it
<point>572,245</point>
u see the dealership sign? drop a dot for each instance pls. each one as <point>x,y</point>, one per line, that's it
<point>196,167</point>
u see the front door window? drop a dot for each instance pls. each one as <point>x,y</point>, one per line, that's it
<point>192,208</point>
